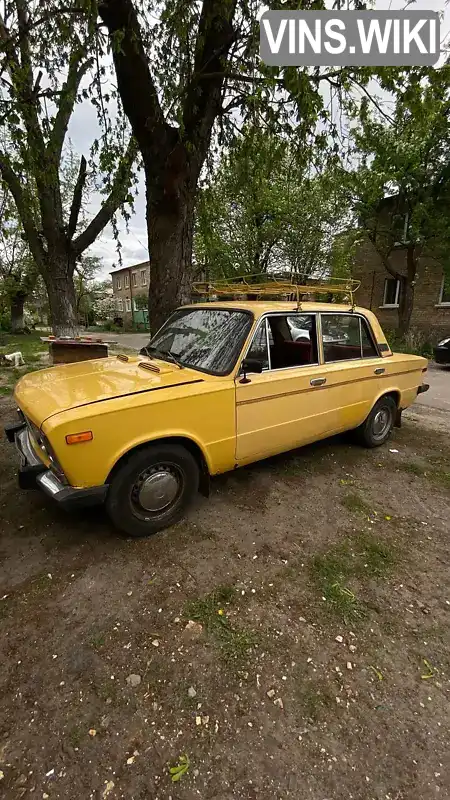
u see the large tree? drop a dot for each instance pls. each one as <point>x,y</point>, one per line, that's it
<point>50,60</point>
<point>187,74</point>
<point>402,185</point>
<point>18,272</point>
<point>267,207</point>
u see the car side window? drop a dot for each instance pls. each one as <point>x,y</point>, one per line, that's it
<point>258,348</point>
<point>346,337</point>
<point>293,340</point>
<point>368,348</point>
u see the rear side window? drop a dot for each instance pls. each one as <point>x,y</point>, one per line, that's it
<point>368,347</point>
<point>345,338</point>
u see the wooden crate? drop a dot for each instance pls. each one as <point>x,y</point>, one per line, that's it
<point>71,350</point>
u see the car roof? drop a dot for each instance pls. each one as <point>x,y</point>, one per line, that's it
<point>259,307</point>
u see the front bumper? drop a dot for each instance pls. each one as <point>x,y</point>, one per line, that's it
<point>33,474</point>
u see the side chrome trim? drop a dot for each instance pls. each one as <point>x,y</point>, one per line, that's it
<point>319,388</point>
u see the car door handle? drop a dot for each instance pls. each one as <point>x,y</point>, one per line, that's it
<point>318,381</point>
<point>380,371</point>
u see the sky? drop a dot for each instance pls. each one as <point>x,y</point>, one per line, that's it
<point>84,128</point>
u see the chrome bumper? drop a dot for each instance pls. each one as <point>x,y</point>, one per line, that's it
<point>33,474</point>
<point>30,466</point>
<point>69,497</point>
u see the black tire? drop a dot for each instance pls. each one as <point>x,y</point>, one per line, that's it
<point>146,476</point>
<point>377,428</point>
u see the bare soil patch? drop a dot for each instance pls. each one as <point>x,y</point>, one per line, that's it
<point>315,665</point>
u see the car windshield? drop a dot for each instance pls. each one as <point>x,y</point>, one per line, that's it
<point>208,339</point>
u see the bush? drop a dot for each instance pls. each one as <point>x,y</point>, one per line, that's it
<point>110,326</point>
<point>415,342</point>
<point>5,321</point>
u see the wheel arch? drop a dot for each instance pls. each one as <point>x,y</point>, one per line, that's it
<point>193,447</point>
<point>394,393</point>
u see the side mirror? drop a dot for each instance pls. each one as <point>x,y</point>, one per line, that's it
<point>250,365</point>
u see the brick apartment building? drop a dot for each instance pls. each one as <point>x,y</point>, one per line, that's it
<point>129,283</point>
<point>380,292</point>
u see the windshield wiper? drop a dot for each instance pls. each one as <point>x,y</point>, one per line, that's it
<point>167,355</point>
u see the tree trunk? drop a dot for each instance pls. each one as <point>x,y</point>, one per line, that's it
<point>407,286</point>
<point>17,303</point>
<point>406,305</point>
<point>62,298</point>
<point>170,225</point>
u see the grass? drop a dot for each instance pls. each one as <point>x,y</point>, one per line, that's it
<point>441,477</point>
<point>97,640</point>
<point>353,502</point>
<point>210,611</point>
<point>357,558</point>
<point>315,697</point>
<point>31,348</point>
<point>412,468</point>
<point>438,473</point>
<point>76,736</point>
<point>30,345</point>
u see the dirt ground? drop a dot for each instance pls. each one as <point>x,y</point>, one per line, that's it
<point>290,639</point>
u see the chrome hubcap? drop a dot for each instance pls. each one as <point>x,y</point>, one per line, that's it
<point>156,489</point>
<point>381,422</point>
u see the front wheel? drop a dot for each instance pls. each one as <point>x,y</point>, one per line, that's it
<point>152,489</point>
<point>377,428</point>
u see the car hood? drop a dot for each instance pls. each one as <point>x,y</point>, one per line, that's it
<point>46,392</point>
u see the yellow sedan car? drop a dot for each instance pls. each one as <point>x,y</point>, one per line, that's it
<point>220,385</point>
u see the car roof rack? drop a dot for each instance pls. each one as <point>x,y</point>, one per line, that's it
<point>277,285</point>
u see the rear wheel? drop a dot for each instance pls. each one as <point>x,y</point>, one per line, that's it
<point>377,428</point>
<point>152,489</point>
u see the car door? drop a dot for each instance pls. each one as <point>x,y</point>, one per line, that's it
<point>282,407</point>
<point>352,368</point>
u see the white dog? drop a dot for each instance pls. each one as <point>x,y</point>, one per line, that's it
<point>15,359</point>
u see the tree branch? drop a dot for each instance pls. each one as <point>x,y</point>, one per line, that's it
<point>67,101</point>
<point>115,198</point>
<point>11,60</point>
<point>23,204</point>
<point>373,101</point>
<point>385,259</point>
<point>76,200</point>
<point>203,97</point>
<point>135,82</point>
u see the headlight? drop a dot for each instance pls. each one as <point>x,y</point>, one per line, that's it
<point>36,433</point>
<point>444,342</point>
<point>46,448</point>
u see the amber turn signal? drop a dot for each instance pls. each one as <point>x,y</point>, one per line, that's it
<point>76,438</point>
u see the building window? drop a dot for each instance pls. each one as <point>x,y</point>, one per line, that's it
<point>134,278</point>
<point>120,305</point>
<point>127,304</point>
<point>444,296</point>
<point>391,293</point>
<point>134,305</point>
<point>126,281</point>
<point>118,282</point>
<point>143,277</point>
